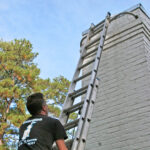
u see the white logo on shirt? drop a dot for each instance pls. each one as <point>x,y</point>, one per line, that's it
<point>28,130</point>
<point>26,133</point>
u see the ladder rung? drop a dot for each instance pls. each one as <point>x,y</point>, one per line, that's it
<point>78,91</point>
<point>71,124</point>
<point>74,107</point>
<point>79,94</point>
<point>88,53</point>
<point>92,42</point>
<point>86,64</point>
<point>85,75</point>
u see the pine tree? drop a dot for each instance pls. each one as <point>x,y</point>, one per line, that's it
<point>19,77</point>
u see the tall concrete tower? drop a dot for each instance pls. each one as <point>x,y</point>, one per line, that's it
<point>121,116</point>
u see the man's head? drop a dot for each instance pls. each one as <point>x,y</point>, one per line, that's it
<point>36,104</point>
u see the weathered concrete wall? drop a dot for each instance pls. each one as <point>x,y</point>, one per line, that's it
<point>121,117</point>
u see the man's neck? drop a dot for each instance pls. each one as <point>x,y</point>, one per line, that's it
<point>43,113</point>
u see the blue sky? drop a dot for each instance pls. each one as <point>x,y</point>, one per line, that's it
<point>54,27</point>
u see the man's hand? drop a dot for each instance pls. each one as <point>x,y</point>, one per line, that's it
<point>61,144</point>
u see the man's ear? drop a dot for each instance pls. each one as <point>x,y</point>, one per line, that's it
<point>44,107</point>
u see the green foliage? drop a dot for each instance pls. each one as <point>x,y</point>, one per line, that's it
<point>19,77</point>
<point>3,147</point>
<point>54,110</point>
<point>57,93</point>
<point>58,90</point>
<point>73,116</point>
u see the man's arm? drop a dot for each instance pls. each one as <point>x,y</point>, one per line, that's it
<point>61,144</point>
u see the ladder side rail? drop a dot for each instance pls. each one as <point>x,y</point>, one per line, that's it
<point>86,101</point>
<point>68,101</point>
<point>94,71</point>
<point>97,61</point>
<point>84,132</point>
<point>81,122</point>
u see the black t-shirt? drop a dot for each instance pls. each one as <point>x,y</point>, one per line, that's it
<point>39,132</point>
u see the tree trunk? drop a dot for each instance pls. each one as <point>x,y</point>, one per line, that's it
<point>5,120</point>
<point>1,140</point>
<point>7,109</point>
<point>1,143</point>
<point>8,105</point>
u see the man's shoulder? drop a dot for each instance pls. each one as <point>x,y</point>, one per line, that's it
<point>54,120</point>
<point>45,118</point>
<point>50,122</point>
<point>41,118</point>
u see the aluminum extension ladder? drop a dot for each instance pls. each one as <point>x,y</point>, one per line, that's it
<point>89,90</point>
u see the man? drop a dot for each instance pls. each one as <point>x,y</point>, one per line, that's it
<point>40,131</point>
